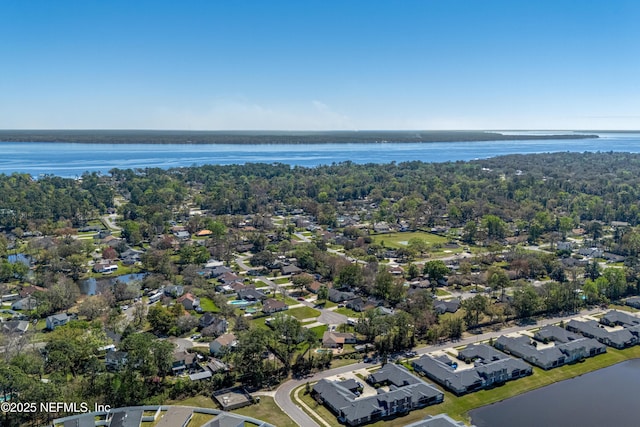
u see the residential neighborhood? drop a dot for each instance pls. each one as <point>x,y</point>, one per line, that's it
<point>197,301</point>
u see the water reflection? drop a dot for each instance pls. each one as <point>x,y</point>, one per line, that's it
<point>94,286</point>
<point>607,397</point>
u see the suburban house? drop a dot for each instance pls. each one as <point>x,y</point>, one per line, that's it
<point>105,267</point>
<point>340,296</point>
<point>361,304</point>
<point>332,339</point>
<point>406,392</point>
<point>290,269</point>
<point>29,290</point>
<point>174,290</point>
<point>218,324</point>
<point>553,356</point>
<point>440,420</point>
<point>183,360</point>
<point>619,318</point>
<point>115,360</point>
<point>223,343</point>
<point>226,420</point>
<point>219,270</point>
<point>130,256</point>
<point>450,306</point>
<point>619,339</point>
<point>189,302</point>
<point>56,320</point>
<point>270,306</point>
<point>314,287</point>
<point>14,327</point>
<point>250,293</point>
<point>27,303</point>
<point>489,367</point>
<point>633,302</point>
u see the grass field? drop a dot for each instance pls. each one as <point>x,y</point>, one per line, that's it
<point>399,240</point>
<point>208,305</point>
<point>347,312</point>
<point>319,331</point>
<point>303,312</point>
<point>267,410</point>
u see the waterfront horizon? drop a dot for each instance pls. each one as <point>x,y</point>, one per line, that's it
<point>71,160</point>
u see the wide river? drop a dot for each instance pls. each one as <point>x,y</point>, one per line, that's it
<point>73,159</point>
<point>607,397</point>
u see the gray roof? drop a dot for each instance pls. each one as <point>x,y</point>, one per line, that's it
<point>225,420</point>
<point>522,347</point>
<point>445,375</point>
<point>126,418</point>
<point>87,420</point>
<point>615,317</point>
<point>490,366</point>
<point>200,375</point>
<point>394,374</point>
<point>555,333</point>
<point>481,351</point>
<point>619,339</point>
<point>353,409</point>
<point>440,420</point>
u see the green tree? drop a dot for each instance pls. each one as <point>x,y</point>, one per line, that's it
<point>495,226</point>
<point>474,308</point>
<point>436,270</point>
<point>350,276</point>
<point>526,301</point>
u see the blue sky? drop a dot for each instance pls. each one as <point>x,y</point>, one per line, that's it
<point>320,65</point>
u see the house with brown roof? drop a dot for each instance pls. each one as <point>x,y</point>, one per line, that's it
<point>271,305</point>
<point>332,339</point>
<point>189,302</point>
<point>222,343</point>
<point>314,287</point>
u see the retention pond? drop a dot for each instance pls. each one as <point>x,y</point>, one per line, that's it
<point>607,397</point>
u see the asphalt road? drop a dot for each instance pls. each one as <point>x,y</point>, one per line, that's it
<point>283,393</point>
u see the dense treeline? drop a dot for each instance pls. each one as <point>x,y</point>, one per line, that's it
<point>260,137</point>
<point>538,193</point>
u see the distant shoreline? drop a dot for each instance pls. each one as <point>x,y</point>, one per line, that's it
<point>268,137</point>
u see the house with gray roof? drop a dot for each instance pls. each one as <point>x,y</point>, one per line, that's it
<point>619,339</point>
<point>550,357</point>
<point>14,326</point>
<point>619,318</point>
<point>555,333</point>
<point>524,348</point>
<point>407,392</point>
<point>440,420</point>
<point>340,296</point>
<point>633,302</point>
<point>56,320</point>
<point>490,367</point>
<point>27,303</point>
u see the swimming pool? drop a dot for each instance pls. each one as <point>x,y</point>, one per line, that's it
<point>240,302</point>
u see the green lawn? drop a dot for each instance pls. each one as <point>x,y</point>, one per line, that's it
<point>267,410</point>
<point>281,280</point>
<point>261,284</point>
<point>208,305</point>
<point>399,240</point>
<point>347,312</point>
<point>303,312</point>
<point>319,330</point>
